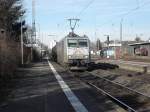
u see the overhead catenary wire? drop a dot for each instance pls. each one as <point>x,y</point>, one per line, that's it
<point>92,1</point>
<point>138,3</point>
<point>126,13</point>
<point>85,8</point>
<point>123,15</point>
<point>81,12</point>
<point>119,16</point>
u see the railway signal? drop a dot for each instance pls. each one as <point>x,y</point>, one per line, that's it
<point>108,39</point>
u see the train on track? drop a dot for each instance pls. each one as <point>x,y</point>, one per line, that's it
<point>73,52</point>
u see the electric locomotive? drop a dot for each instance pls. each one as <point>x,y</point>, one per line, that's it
<point>73,51</point>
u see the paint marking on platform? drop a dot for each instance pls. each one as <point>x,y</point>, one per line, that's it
<point>75,102</point>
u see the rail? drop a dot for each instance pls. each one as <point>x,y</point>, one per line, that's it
<point>92,78</point>
<point>123,86</point>
<point>129,109</point>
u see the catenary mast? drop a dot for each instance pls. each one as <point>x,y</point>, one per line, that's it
<point>33,23</point>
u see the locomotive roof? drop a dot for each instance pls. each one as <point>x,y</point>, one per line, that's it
<point>73,35</point>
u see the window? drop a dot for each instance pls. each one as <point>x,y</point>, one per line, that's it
<point>83,43</point>
<point>72,43</point>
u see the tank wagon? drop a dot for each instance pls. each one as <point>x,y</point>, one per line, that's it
<point>73,51</point>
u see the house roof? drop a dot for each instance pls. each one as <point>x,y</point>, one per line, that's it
<point>142,43</point>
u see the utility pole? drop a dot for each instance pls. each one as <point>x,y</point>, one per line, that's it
<point>121,30</point>
<point>33,37</point>
<point>33,21</point>
<point>96,47</point>
<point>121,36</point>
<point>39,30</point>
<point>72,26</point>
<point>42,47</point>
<point>22,52</point>
<point>108,41</point>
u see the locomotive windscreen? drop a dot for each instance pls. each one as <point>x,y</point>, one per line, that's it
<point>72,43</point>
<point>83,43</point>
<point>77,43</point>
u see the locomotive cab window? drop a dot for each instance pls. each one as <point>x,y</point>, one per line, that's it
<point>83,43</point>
<point>72,43</point>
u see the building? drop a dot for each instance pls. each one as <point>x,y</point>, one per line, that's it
<point>140,49</point>
<point>111,50</point>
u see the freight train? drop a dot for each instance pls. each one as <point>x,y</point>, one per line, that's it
<point>73,51</point>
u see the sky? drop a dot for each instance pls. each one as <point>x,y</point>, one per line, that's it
<point>97,18</point>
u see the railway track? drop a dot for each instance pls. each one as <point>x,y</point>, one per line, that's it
<point>129,99</point>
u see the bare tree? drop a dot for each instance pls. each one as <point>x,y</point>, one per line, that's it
<point>10,13</point>
<point>137,39</point>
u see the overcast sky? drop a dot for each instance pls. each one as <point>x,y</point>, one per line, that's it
<point>99,18</point>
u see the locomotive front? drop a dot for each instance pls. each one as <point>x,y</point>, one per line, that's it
<point>78,51</point>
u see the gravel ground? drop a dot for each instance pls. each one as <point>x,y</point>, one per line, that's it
<point>134,80</point>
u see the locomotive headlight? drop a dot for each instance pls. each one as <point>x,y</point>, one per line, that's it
<point>85,56</point>
<point>69,56</point>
